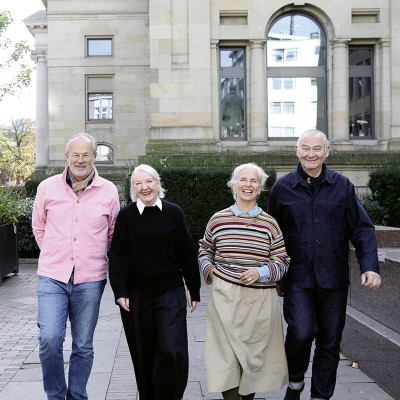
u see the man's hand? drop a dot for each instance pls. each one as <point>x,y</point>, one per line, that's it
<point>124,303</point>
<point>371,280</point>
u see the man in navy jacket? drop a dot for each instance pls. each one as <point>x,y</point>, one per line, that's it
<point>319,213</point>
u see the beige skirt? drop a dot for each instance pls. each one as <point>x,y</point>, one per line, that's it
<point>244,343</point>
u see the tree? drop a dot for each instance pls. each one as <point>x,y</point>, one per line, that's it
<point>18,74</point>
<point>17,145</point>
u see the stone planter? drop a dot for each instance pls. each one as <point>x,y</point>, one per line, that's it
<point>9,262</point>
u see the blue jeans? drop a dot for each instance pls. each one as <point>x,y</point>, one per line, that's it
<point>58,301</point>
<point>320,314</point>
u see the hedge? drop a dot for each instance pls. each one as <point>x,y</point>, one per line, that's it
<point>201,193</point>
<point>385,187</point>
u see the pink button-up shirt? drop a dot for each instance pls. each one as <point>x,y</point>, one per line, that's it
<point>74,232</point>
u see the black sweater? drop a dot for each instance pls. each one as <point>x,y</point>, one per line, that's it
<point>151,252</point>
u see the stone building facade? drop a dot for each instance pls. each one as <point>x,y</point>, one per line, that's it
<point>207,78</point>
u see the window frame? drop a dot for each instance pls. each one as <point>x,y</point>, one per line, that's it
<point>363,71</point>
<point>89,39</point>
<point>237,73</point>
<point>102,162</point>
<point>297,71</point>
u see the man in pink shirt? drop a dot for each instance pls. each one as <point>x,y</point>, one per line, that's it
<point>73,221</point>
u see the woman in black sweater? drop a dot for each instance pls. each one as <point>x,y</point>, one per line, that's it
<point>152,256</point>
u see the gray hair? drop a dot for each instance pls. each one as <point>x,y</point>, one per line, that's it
<point>262,176</point>
<point>153,173</point>
<point>313,132</point>
<point>84,135</point>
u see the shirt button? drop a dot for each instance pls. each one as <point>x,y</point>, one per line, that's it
<point>317,242</point>
<point>76,220</point>
<point>74,239</point>
<point>72,258</point>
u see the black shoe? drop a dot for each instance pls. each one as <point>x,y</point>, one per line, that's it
<point>292,394</point>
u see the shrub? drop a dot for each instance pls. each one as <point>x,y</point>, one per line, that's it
<point>379,215</point>
<point>10,209</point>
<point>384,184</point>
<point>201,193</point>
<point>27,245</point>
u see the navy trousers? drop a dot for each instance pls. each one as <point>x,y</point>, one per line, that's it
<point>156,333</point>
<point>320,314</point>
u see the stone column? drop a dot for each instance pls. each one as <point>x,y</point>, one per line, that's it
<point>382,128</point>
<point>215,106</point>
<point>42,111</point>
<point>256,131</point>
<point>340,92</point>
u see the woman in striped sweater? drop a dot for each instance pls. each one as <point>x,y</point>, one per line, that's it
<point>243,255</point>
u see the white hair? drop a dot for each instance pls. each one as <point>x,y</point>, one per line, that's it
<point>262,176</point>
<point>313,132</point>
<point>153,173</point>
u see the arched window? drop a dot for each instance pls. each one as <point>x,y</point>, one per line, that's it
<point>296,76</point>
<point>105,154</point>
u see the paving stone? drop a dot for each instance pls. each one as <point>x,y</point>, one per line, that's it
<point>113,377</point>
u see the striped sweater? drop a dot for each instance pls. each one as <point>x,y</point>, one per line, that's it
<point>233,244</point>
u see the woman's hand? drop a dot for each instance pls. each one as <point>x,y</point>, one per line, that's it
<point>192,304</point>
<point>124,303</point>
<point>250,276</point>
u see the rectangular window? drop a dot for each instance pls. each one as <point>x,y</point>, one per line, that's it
<point>232,94</point>
<point>360,92</point>
<point>276,107</point>
<point>99,106</point>
<point>99,47</point>
<point>282,83</point>
<point>288,107</point>
<point>285,107</point>
<point>278,55</point>
<point>99,91</point>
<point>291,55</point>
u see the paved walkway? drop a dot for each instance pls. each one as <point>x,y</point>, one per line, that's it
<point>112,377</point>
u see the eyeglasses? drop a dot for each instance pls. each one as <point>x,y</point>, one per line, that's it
<point>77,156</point>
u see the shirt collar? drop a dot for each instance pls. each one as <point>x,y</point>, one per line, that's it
<point>140,205</point>
<point>239,213</point>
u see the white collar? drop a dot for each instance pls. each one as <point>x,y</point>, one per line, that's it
<point>140,205</point>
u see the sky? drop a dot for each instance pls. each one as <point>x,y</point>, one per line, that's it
<point>23,104</point>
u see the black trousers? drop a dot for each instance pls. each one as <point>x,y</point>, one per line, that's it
<point>318,314</point>
<point>156,333</point>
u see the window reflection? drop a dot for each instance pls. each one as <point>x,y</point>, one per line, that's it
<point>296,76</point>
<point>232,108</point>
<point>99,47</point>
<point>105,154</point>
<point>100,106</point>
<point>360,88</point>
<point>232,94</point>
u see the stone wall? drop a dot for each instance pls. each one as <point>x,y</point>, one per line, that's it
<point>372,333</point>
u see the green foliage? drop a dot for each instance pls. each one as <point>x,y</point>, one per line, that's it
<point>11,60</point>
<point>17,152</point>
<point>379,215</point>
<point>10,208</point>
<point>27,245</point>
<point>202,192</point>
<point>385,187</point>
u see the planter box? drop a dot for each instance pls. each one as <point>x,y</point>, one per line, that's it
<point>8,251</point>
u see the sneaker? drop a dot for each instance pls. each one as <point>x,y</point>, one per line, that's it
<point>292,394</point>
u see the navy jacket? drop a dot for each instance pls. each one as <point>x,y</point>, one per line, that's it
<point>317,224</point>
